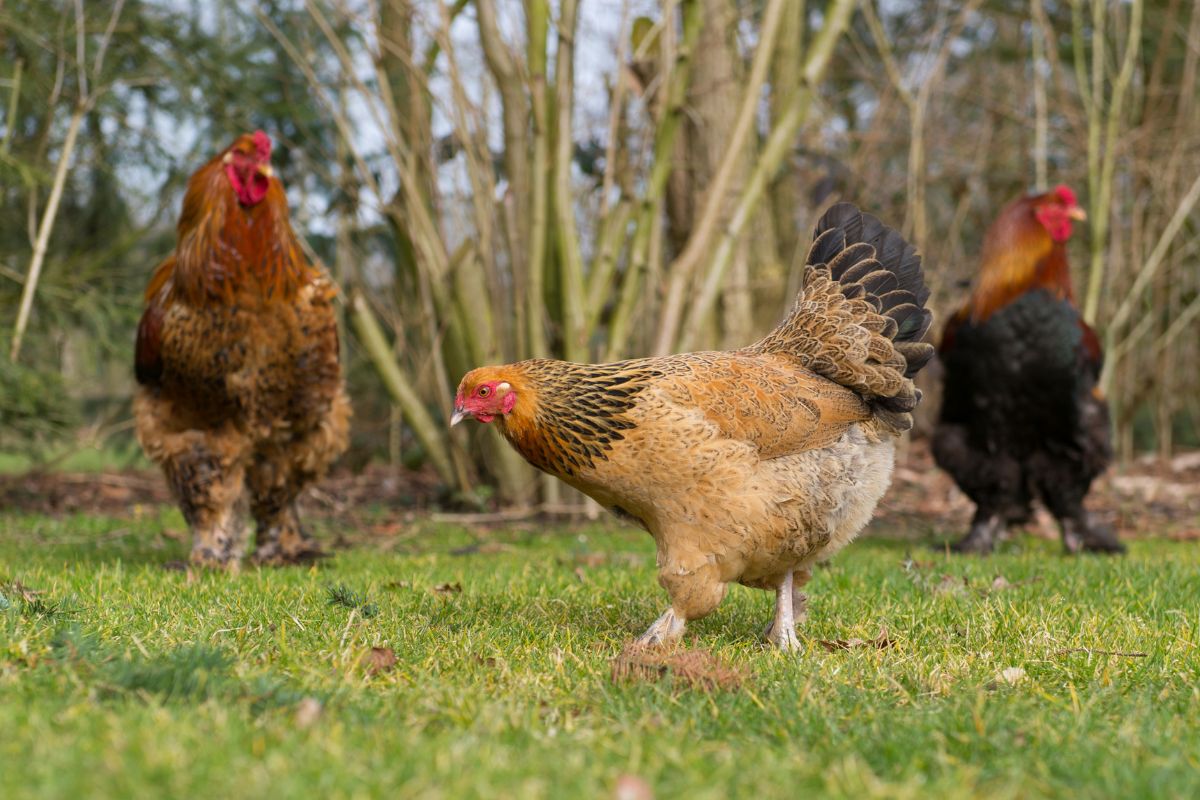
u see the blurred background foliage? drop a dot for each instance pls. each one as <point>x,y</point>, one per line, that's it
<point>490,180</point>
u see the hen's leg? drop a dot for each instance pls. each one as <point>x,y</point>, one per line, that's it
<point>800,577</point>
<point>782,632</point>
<point>278,476</point>
<point>694,594</point>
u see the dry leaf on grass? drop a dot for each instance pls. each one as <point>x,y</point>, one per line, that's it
<point>950,584</point>
<point>696,669</point>
<point>880,642</point>
<point>380,659</point>
<point>394,585</point>
<point>448,588</point>
<point>1009,676</point>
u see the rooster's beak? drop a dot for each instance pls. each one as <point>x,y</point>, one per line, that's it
<point>458,416</point>
<point>265,169</point>
<point>1075,212</point>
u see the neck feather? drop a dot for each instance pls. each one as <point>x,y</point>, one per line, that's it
<point>1011,272</point>
<point>230,253</point>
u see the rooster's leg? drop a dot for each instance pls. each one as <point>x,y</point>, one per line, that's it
<point>279,538</point>
<point>986,528</point>
<point>209,489</point>
<point>782,632</point>
<point>1081,533</point>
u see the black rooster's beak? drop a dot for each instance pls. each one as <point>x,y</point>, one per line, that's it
<point>458,416</point>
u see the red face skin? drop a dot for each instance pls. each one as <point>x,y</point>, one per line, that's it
<point>488,400</point>
<point>250,173</point>
<point>1057,211</point>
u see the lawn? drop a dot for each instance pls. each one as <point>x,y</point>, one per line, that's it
<point>444,662</point>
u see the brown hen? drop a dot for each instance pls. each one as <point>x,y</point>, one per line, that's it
<point>241,398</point>
<point>746,466</point>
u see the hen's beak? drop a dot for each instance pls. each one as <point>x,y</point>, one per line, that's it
<point>458,416</point>
<point>265,169</point>
<point>1076,212</point>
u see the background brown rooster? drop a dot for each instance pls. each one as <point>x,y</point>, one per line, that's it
<point>237,357</point>
<point>1022,417</point>
<point>746,466</point>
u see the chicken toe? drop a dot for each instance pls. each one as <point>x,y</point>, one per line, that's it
<point>666,629</point>
<point>281,541</point>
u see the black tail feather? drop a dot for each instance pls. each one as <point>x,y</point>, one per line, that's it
<point>865,256</point>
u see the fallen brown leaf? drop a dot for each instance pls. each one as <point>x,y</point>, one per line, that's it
<point>380,659</point>
<point>949,584</point>
<point>448,588</point>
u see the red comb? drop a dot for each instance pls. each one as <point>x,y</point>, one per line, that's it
<point>1065,195</point>
<point>262,146</point>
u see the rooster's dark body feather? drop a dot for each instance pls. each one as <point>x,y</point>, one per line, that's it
<point>1022,418</point>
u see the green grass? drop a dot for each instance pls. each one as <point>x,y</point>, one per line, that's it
<point>123,679</point>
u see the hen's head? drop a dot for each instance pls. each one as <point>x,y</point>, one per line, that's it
<point>247,165</point>
<point>1055,210</point>
<point>484,393</point>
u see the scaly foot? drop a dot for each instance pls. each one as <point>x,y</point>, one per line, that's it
<point>1091,537</point>
<point>286,548</point>
<point>665,630</point>
<point>981,539</point>
<point>782,631</point>
<point>281,541</point>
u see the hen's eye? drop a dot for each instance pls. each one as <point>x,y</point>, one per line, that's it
<point>484,391</point>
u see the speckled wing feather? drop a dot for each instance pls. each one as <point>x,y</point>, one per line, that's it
<point>860,317</point>
<point>763,400</point>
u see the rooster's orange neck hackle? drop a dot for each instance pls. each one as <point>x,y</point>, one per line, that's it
<point>1025,249</point>
<point>235,242</point>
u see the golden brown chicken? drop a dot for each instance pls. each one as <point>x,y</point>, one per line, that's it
<point>241,396</point>
<point>746,466</point>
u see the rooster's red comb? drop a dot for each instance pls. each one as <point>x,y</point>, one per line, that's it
<point>1065,195</point>
<point>262,146</point>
